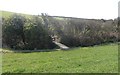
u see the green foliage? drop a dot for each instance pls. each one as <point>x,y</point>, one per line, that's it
<point>75,32</point>
<point>72,32</point>
<point>36,35</point>
<point>97,59</point>
<point>13,31</point>
<point>85,32</point>
<point>22,33</point>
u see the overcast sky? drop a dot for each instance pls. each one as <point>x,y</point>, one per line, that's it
<point>92,9</point>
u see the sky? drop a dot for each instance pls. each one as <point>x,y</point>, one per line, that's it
<point>92,9</point>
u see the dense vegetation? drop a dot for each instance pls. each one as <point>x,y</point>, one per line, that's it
<point>85,32</point>
<point>20,32</point>
<point>98,59</point>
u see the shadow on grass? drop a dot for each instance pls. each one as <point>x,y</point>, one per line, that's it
<point>25,51</point>
<point>8,50</point>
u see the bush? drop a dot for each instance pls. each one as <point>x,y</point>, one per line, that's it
<point>22,33</point>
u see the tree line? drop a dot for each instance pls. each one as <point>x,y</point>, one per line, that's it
<point>20,32</point>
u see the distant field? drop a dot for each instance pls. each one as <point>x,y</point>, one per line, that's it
<point>7,14</point>
<point>97,59</point>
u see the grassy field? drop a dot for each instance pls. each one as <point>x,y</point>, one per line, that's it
<point>6,14</point>
<point>97,59</point>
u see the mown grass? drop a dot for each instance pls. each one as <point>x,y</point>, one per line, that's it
<point>97,59</point>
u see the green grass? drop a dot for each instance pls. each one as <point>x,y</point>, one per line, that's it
<point>7,14</point>
<point>97,59</point>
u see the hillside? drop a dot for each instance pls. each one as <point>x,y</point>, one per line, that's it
<point>7,14</point>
